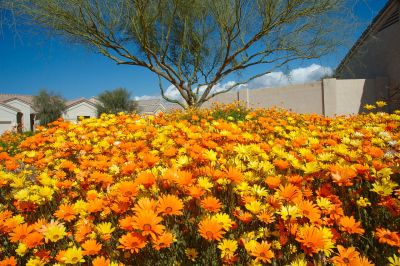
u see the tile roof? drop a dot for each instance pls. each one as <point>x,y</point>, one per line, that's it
<point>25,98</point>
<point>10,107</point>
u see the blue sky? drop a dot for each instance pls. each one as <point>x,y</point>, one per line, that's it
<point>31,60</point>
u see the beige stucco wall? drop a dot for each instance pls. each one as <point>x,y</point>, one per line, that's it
<point>305,98</point>
<point>7,115</point>
<point>81,109</point>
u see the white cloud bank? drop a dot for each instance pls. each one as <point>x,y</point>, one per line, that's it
<point>299,75</point>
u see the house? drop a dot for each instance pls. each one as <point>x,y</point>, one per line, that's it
<point>154,106</point>
<point>376,54</point>
<point>17,111</point>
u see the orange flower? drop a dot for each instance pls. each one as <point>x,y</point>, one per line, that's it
<point>101,261</point>
<point>266,217</point>
<point>183,178</point>
<point>82,230</point>
<point>65,212</point>
<point>290,193</point>
<point>20,232</point>
<point>234,175</point>
<point>91,247</point>
<point>33,239</point>
<point>346,257</point>
<point>132,242</point>
<point>195,192</point>
<point>170,205</point>
<point>349,225</point>
<point>126,223</point>
<point>211,229</point>
<point>10,261</point>
<point>342,175</point>
<point>211,204</point>
<point>127,189</point>
<point>262,252</point>
<point>148,222</point>
<point>163,241</point>
<point>311,239</point>
<point>309,210</point>
<point>281,164</point>
<point>386,236</point>
<point>145,204</point>
<point>146,179</point>
<point>273,181</point>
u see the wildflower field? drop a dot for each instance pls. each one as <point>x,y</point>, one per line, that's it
<point>226,186</point>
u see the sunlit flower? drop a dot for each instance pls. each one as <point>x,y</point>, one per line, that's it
<point>211,229</point>
<point>170,205</point>
<point>228,248</point>
<point>262,252</point>
<point>132,242</point>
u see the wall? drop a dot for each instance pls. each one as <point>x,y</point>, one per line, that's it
<point>7,115</point>
<point>26,111</point>
<point>379,54</point>
<point>329,97</point>
<point>81,109</point>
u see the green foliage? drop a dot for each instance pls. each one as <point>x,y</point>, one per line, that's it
<point>234,112</point>
<point>49,106</point>
<point>115,101</point>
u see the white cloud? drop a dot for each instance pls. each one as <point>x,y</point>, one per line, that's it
<point>145,97</point>
<point>299,75</point>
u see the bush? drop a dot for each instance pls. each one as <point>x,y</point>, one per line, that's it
<point>275,187</point>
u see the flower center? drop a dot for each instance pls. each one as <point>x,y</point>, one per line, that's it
<point>262,254</point>
<point>209,234</point>
<point>346,260</point>
<point>168,209</point>
<point>147,227</point>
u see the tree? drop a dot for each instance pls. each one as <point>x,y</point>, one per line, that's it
<point>193,44</point>
<point>115,101</point>
<point>49,107</point>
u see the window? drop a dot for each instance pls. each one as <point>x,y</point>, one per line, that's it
<point>81,117</point>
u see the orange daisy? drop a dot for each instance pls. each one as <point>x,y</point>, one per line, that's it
<point>145,204</point>
<point>349,225</point>
<point>127,189</point>
<point>386,236</point>
<point>210,229</point>
<point>211,204</point>
<point>146,179</point>
<point>148,222</point>
<point>126,223</point>
<point>290,193</point>
<point>234,175</point>
<point>309,210</point>
<point>101,261</point>
<point>281,164</point>
<point>262,252</point>
<point>132,242</point>
<point>195,191</point>
<point>65,212</point>
<point>10,261</point>
<point>346,257</point>
<point>33,239</point>
<point>91,247</point>
<point>163,241</point>
<point>20,232</point>
<point>170,205</point>
<point>273,181</point>
<point>311,239</point>
<point>266,217</point>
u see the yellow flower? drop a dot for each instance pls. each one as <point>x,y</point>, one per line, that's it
<point>35,262</point>
<point>380,103</point>
<point>224,220</point>
<point>205,183</point>
<point>73,255</point>
<point>105,228</point>
<point>254,207</point>
<point>250,245</point>
<point>289,212</point>
<point>191,253</point>
<point>21,250</point>
<point>299,262</point>
<point>324,203</point>
<point>228,248</point>
<point>369,106</point>
<point>54,231</point>
<point>363,202</point>
<point>276,245</point>
<point>394,260</point>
